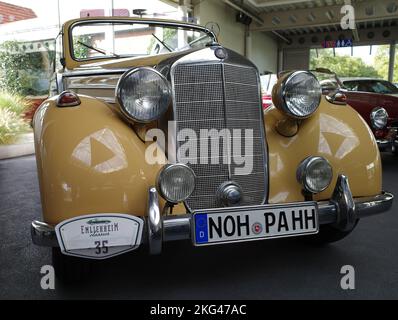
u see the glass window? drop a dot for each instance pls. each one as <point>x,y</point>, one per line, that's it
<point>26,67</point>
<point>351,85</point>
<point>99,40</point>
<point>357,61</point>
<point>376,86</point>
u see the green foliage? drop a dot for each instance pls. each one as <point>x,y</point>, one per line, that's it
<point>170,38</point>
<point>12,108</point>
<point>21,72</point>
<point>382,61</point>
<point>80,51</point>
<point>343,66</point>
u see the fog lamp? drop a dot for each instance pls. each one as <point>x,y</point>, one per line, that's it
<point>176,182</point>
<point>315,174</point>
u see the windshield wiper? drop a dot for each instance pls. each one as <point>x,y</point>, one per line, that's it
<point>98,50</point>
<point>163,43</point>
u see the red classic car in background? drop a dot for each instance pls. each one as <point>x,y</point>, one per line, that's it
<point>267,83</point>
<point>375,99</point>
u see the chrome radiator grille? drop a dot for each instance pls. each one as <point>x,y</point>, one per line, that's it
<point>220,96</point>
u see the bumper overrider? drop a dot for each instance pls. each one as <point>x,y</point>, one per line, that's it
<point>342,211</point>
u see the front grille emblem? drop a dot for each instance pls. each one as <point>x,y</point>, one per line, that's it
<point>220,53</point>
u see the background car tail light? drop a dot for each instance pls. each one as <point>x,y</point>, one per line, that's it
<point>68,99</point>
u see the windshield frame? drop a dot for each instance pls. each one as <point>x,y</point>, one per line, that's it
<point>130,21</point>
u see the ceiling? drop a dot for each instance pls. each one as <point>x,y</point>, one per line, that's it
<point>283,5</point>
<point>290,18</point>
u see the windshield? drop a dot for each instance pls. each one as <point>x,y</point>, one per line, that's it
<point>94,40</point>
<point>376,86</point>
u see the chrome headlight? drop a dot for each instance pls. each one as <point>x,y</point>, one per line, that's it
<point>315,174</point>
<point>176,182</point>
<point>298,94</point>
<point>143,94</point>
<point>379,118</point>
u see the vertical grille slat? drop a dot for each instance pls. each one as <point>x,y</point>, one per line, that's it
<point>221,96</point>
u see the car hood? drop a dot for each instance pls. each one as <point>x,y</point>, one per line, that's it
<point>130,62</point>
<point>100,79</point>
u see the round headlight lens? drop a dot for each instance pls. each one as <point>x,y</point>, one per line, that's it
<point>144,94</point>
<point>379,118</point>
<point>298,94</point>
<point>176,182</point>
<point>315,174</point>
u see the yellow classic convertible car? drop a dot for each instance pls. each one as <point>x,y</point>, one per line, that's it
<point>154,132</point>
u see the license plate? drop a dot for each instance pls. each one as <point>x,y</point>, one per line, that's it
<point>99,236</point>
<point>255,223</point>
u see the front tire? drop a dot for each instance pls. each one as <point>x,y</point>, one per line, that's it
<point>328,234</point>
<point>69,269</point>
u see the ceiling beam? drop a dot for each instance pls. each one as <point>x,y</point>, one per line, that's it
<point>241,9</point>
<point>173,3</point>
<point>316,40</point>
<point>328,15</point>
<point>273,3</point>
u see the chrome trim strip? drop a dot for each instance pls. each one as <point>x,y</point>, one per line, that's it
<point>224,101</point>
<point>107,100</point>
<point>95,72</point>
<point>92,86</point>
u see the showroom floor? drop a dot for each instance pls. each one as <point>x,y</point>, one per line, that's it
<point>259,270</point>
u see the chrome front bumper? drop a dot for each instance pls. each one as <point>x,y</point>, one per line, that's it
<point>384,144</point>
<point>342,211</point>
<point>389,143</point>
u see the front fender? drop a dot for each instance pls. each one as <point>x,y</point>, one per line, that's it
<point>89,161</point>
<point>335,132</point>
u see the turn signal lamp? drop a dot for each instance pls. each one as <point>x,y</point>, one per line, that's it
<point>68,99</point>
